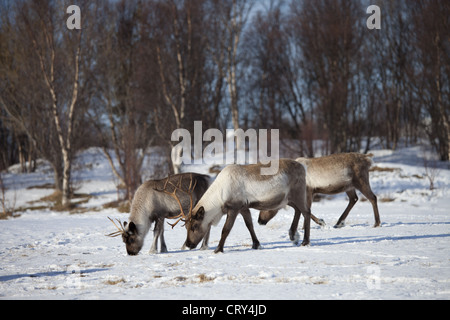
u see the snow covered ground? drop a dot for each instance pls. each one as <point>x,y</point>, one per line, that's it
<point>56,255</point>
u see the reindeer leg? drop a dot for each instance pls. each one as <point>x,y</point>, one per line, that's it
<point>161,237</point>
<point>293,233</point>
<point>307,224</point>
<point>231,217</point>
<point>154,247</point>
<point>320,222</point>
<point>352,199</point>
<point>367,192</point>
<point>309,199</point>
<point>249,223</point>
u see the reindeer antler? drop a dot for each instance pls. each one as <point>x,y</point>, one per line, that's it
<point>120,231</point>
<point>182,216</point>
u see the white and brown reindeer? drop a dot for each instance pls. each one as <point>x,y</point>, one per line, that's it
<point>336,173</point>
<point>238,188</point>
<point>156,200</point>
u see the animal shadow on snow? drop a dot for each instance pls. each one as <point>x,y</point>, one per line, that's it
<point>286,244</point>
<point>373,239</point>
<point>46,274</point>
<point>273,245</point>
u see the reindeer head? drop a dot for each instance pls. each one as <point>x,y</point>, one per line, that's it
<point>194,226</point>
<point>130,236</point>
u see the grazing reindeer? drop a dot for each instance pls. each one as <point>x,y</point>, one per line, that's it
<point>156,200</point>
<point>333,174</point>
<point>238,188</point>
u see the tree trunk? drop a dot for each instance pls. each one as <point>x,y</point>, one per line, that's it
<point>66,144</point>
<point>231,77</point>
<point>58,177</point>
<point>443,129</point>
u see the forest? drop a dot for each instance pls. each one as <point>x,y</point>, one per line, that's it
<point>138,70</point>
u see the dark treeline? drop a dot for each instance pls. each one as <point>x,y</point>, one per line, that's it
<point>137,70</point>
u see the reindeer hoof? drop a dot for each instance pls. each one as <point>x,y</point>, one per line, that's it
<point>256,245</point>
<point>339,225</point>
<point>296,239</point>
<point>305,243</point>
<point>218,250</point>
<point>321,223</point>
<point>293,236</point>
<point>204,248</point>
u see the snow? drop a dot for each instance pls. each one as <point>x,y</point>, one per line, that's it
<point>46,254</point>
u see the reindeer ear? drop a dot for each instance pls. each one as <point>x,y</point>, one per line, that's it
<point>200,213</point>
<point>132,227</point>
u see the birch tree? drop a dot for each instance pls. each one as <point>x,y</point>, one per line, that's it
<point>45,50</point>
<point>50,57</point>
<point>121,116</point>
<point>176,36</point>
<point>234,23</point>
<point>432,78</point>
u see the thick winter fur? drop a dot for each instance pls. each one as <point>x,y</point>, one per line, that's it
<point>344,172</point>
<point>150,205</point>
<point>241,187</point>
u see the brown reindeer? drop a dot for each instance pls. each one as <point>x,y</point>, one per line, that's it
<point>240,187</point>
<point>156,200</point>
<point>345,172</point>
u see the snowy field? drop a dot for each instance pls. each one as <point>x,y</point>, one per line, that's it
<point>46,254</point>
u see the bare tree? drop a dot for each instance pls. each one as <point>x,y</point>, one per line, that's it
<point>176,36</point>
<point>329,39</point>
<point>277,89</point>
<point>391,63</point>
<point>234,20</point>
<point>121,115</point>
<point>432,78</point>
<point>44,57</point>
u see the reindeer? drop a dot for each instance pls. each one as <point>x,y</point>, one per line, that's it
<point>238,188</point>
<point>156,200</point>
<point>334,174</point>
